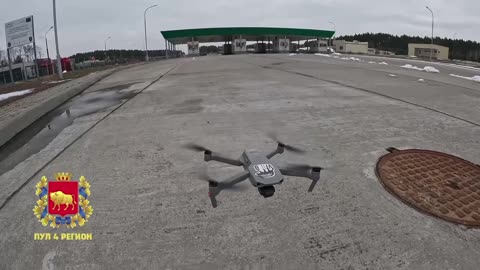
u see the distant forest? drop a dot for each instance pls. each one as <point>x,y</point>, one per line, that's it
<point>119,55</point>
<point>459,49</point>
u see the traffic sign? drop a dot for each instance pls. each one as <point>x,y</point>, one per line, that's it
<point>19,32</point>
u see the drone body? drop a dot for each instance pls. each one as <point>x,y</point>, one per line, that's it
<point>262,171</point>
<point>259,169</point>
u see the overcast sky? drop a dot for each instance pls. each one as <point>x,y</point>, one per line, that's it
<point>84,25</point>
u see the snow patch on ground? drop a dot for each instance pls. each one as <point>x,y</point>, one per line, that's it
<point>322,54</point>
<point>351,58</point>
<point>427,68</point>
<point>392,75</point>
<point>474,78</point>
<point>421,80</point>
<point>383,63</point>
<point>336,53</point>
<point>371,62</point>
<point>408,66</point>
<point>431,69</point>
<point>15,94</point>
<point>292,54</point>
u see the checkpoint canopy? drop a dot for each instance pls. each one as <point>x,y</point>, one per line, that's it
<point>210,35</point>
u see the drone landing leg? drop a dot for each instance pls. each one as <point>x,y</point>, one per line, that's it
<point>312,185</point>
<point>213,191</point>
<point>313,174</point>
<point>213,200</point>
<point>214,188</point>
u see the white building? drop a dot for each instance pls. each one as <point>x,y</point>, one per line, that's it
<point>423,50</point>
<point>320,45</point>
<point>20,71</point>
<point>343,46</point>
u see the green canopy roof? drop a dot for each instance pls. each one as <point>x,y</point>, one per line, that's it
<point>249,33</point>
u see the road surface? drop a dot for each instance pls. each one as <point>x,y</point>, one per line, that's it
<point>151,212</point>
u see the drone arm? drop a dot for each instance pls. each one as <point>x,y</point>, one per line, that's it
<point>279,150</point>
<point>237,178</point>
<point>214,156</point>
<point>215,188</point>
<point>313,174</point>
<point>289,172</point>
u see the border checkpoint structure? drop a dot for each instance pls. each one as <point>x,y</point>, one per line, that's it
<point>235,39</point>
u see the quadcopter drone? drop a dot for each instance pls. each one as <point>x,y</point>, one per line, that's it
<point>258,168</point>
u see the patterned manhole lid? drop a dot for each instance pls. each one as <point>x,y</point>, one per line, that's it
<point>436,183</point>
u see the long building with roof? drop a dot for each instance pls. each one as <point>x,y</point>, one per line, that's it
<point>235,38</point>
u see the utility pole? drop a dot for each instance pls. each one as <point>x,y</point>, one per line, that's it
<point>431,48</point>
<point>334,30</point>
<point>48,54</point>
<point>145,24</point>
<point>10,66</point>
<point>106,48</point>
<point>59,63</point>
<point>35,51</point>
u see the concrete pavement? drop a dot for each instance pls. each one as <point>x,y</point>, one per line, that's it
<point>150,212</point>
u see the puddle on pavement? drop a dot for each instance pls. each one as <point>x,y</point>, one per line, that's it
<point>38,135</point>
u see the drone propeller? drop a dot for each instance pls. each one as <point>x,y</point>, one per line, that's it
<point>196,147</point>
<point>302,167</point>
<point>273,136</point>
<point>206,178</point>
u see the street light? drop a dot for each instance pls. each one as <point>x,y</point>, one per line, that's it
<point>59,63</point>
<point>334,27</point>
<point>453,46</point>
<point>46,45</point>
<point>145,24</point>
<point>106,43</point>
<point>106,48</point>
<point>334,30</point>
<point>431,48</point>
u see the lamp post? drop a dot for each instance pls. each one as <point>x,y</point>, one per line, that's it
<point>59,63</point>
<point>334,30</point>
<point>431,48</point>
<point>453,46</point>
<point>48,54</point>
<point>145,24</point>
<point>106,48</point>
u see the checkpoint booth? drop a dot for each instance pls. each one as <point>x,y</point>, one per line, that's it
<point>236,39</point>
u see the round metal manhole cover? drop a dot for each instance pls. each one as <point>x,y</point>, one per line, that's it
<point>436,183</point>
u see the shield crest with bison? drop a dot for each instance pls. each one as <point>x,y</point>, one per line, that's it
<point>63,202</point>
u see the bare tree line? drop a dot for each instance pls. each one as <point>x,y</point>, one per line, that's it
<point>20,54</point>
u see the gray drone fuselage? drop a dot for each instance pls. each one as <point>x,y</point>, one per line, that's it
<point>262,171</point>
